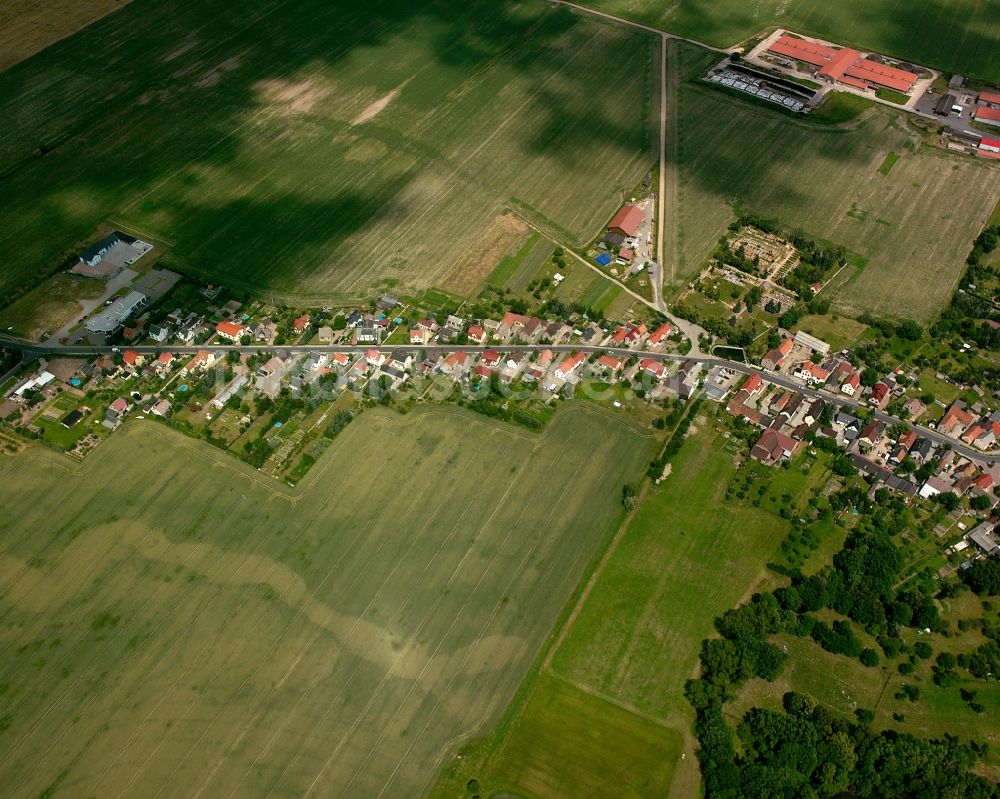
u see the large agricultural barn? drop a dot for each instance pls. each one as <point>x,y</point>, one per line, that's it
<point>844,65</point>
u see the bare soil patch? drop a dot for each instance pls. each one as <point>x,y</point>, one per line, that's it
<point>379,105</point>
<point>476,263</point>
<point>29,26</point>
<point>295,97</point>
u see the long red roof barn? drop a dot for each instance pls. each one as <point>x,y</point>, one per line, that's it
<point>990,116</point>
<point>844,64</point>
<point>627,220</point>
<point>801,50</point>
<point>989,97</point>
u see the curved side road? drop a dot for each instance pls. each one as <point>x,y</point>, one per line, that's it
<point>33,350</point>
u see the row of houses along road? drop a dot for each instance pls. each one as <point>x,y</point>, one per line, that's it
<point>991,457</point>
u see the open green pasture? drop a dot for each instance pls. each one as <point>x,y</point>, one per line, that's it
<point>174,623</point>
<point>566,743</point>
<point>951,35</point>
<point>687,556</point>
<point>321,149</point>
<point>914,224</point>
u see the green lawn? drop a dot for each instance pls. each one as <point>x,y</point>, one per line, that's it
<point>687,556</point>
<point>890,161</point>
<point>325,150</point>
<point>951,35</point>
<point>503,271</point>
<point>566,744</point>
<point>837,331</point>
<point>172,620</point>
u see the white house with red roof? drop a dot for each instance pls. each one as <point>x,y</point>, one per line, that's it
<point>375,358</point>
<point>477,335</point>
<point>419,335</point>
<point>230,331</point>
<point>610,364</point>
<point>753,385</point>
<point>851,385</point>
<point>203,359</point>
<point>569,365</point>
<point>653,367</point>
<point>659,336</point>
<point>490,358</point>
<point>455,364</point>
<point>301,323</point>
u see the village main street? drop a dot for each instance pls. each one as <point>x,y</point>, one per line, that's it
<point>34,350</point>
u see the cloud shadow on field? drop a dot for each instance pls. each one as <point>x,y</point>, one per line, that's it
<point>120,115</point>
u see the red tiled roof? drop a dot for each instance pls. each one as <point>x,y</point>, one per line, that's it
<point>571,363</point>
<point>609,362</point>
<point>628,219</point>
<point>652,366</point>
<point>626,253</point>
<point>989,97</point>
<point>229,329</point>
<point>844,64</point>
<point>130,357</point>
<point>839,63</point>
<point>855,82</point>
<point>985,112</point>
<point>882,74</point>
<point>300,324</point>
<point>165,357</point>
<point>660,333</point>
<point>753,384</point>
<point>801,50</point>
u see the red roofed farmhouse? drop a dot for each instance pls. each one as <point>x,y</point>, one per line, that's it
<point>627,220</point>
<point>568,366</point>
<point>229,330</point>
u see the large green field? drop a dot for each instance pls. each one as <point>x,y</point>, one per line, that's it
<point>323,149</point>
<point>914,225</point>
<point>952,35</point>
<point>605,714</point>
<point>174,624</point>
<point>687,556</point>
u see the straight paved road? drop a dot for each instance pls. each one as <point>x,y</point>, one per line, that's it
<point>35,350</point>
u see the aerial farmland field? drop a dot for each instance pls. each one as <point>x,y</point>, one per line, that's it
<point>953,35</point>
<point>321,149</point>
<point>914,225</point>
<point>173,621</point>
<point>27,26</point>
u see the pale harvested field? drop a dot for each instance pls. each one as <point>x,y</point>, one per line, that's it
<point>914,226</point>
<point>323,149</point>
<point>175,625</point>
<point>27,26</point>
<point>474,266</point>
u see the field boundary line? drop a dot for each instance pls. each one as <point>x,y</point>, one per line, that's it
<point>362,658</point>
